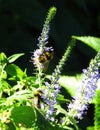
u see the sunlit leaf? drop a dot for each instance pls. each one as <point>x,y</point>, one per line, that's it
<point>61,110</point>
<point>3,73</point>
<point>14,57</point>
<point>21,95</point>
<point>90,128</point>
<point>32,80</point>
<point>61,99</point>
<point>3,58</point>
<point>14,71</point>
<point>4,84</point>
<point>70,83</point>
<point>93,42</point>
<point>23,116</point>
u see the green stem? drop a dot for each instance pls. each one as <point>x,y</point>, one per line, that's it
<point>64,58</point>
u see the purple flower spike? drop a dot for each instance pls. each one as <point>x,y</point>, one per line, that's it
<point>87,90</point>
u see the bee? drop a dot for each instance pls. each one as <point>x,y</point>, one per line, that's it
<point>46,56</point>
<point>42,59</point>
<point>37,98</point>
<point>49,54</point>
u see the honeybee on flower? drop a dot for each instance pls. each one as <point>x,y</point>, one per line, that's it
<point>37,98</point>
<point>41,58</point>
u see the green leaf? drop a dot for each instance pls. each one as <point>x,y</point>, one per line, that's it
<point>3,74</point>
<point>4,84</point>
<point>90,128</point>
<point>22,95</point>
<point>15,71</point>
<point>3,58</point>
<point>61,110</point>
<point>32,80</point>
<point>41,121</point>
<point>4,88</point>
<point>70,83</point>
<point>14,57</point>
<point>61,98</point>
<point>23,115</point>
<point>97,110</point>
<point>92,42</point>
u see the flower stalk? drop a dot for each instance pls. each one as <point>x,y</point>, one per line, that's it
<point>50,96</point>
<point>42,56</point>
<point>86,91</point>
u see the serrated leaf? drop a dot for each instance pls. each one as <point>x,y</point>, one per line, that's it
<point>14,71</point>
<point>93,42</point>
<point>23,115</point>
<point>14,57</point>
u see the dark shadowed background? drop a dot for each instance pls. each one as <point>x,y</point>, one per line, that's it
<point>21,23</point>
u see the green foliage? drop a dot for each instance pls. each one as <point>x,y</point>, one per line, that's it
<point>15,72</point>
<point>17,99</point>
<point>14,94</point>
<point>23,116</point>
<point>90,128</point>
<point>17,91</point>
<point>14,57</point>
<point>3,58</point>
<point>41,121</point>
<point>93,42</point>
<point>70,83</point>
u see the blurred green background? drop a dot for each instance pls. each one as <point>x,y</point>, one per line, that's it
<point>21,22</point>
